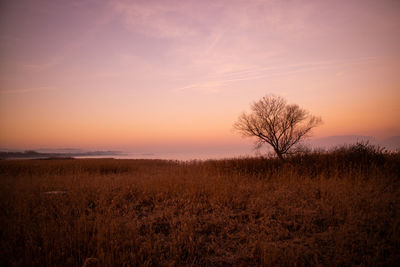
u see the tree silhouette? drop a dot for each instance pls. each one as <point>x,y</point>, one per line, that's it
<point>276,123</point>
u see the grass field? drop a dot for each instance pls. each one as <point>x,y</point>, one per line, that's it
<point>336,209</point>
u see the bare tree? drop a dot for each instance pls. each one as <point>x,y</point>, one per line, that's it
<point>276,123</point>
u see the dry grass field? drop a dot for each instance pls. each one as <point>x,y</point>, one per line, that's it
<point>339,208</point>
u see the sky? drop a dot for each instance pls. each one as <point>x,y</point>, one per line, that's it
<point>164,75</point>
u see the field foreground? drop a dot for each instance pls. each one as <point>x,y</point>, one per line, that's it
<point>340,208</point>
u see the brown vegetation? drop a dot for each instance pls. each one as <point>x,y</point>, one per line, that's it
<point>338,208</point>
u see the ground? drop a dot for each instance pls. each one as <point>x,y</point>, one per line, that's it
<point>331,209</point>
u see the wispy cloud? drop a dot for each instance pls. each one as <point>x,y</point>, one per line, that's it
<point>214,83</point>
<point>208,87</point>
<point>27,90</point>
<point>160,18</point>
<point>192,18</point>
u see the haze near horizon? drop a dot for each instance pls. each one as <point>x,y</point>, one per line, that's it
<point>175,75</point>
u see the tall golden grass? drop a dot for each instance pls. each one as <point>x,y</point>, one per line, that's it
<point>337,208</point>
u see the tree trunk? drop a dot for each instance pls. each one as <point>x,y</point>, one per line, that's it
<point>279,154</point>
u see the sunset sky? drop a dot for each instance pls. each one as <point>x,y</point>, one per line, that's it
<point>159,75</point>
